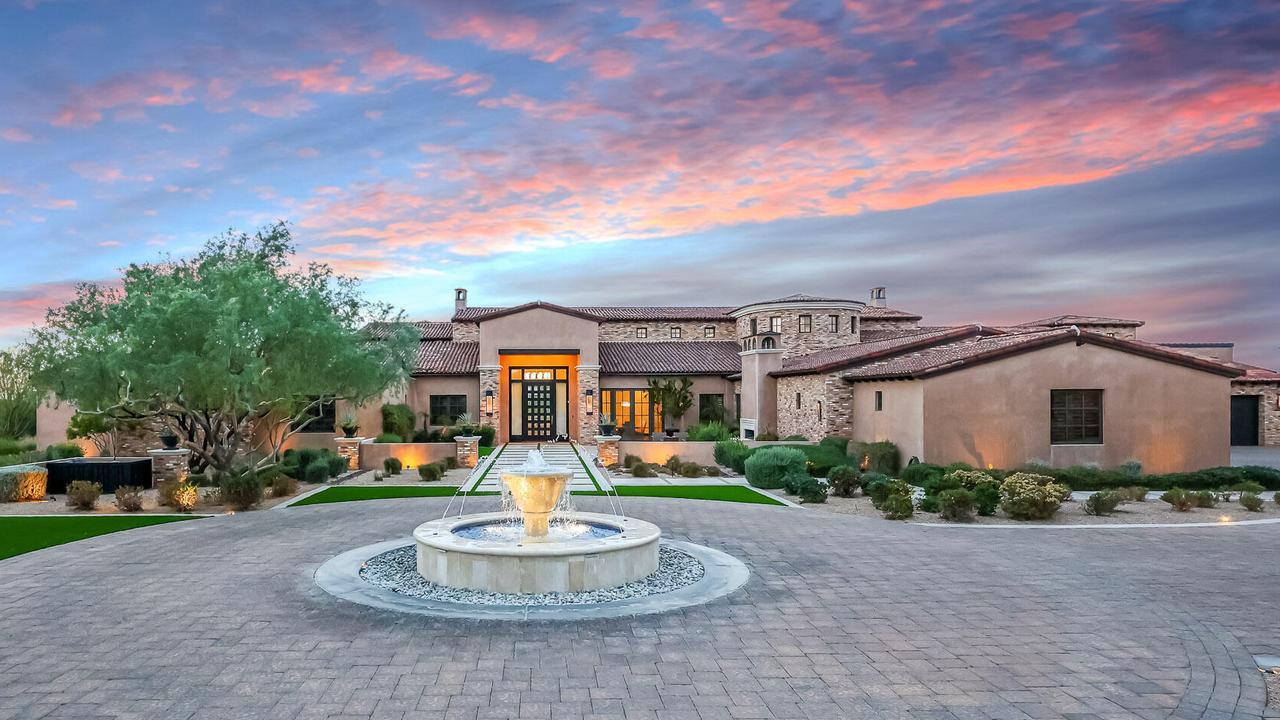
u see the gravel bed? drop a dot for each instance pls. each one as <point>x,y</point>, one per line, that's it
<point>397,570</point>
<point>1272,680</point>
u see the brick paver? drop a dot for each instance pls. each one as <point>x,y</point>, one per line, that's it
<point>843,618</point>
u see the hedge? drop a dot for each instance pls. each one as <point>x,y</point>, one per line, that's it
<point>882,457</point>
<point>1085,478</point>
<point>767,467</point>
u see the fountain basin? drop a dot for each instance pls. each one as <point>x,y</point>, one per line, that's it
<point>568,565</point>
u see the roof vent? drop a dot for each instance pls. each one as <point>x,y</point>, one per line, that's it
<point>878,297</point>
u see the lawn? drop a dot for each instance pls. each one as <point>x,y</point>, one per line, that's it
<point>23,534</point>
<point>349,493</point>
<point>723,493</point>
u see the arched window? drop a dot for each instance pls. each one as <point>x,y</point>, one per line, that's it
<point>767,344</point>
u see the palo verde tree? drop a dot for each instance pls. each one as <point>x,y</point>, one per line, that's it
<point>235,339</point>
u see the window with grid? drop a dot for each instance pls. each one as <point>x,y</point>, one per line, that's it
<point>446,409</point>
<point>675,333</point>
<point>775,324</point>
<point>1075,417</point>
<point>642,332</point>
<point>806,323</point>
<point>833,323</point>
<point>322,418</point>
<point>709,331</point>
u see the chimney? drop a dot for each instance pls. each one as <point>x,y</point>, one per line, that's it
<point>459,299</point>
<point>878,297</point>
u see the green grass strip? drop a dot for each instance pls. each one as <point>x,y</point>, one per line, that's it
<point>23,534</point>
<point>350,493</point>
<point>722,493</point>
<point>590,475</point>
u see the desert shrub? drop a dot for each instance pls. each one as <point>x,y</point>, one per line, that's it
<point>709,431</point>
<point>1103,502</point>
<point>767,437</point>
<point>711,470</point>
<point>986,497</point>
<point>643,470</point>
<point>387,437</point>
<point>337,464</point>
<point>819,459</point>
<point>1248,486</point>
<point>1180,500</point>
<point>83,494</point>
<point>897,507</point>
<point>881,491</point>
<point>14,446</point>
<point>1251,501</point>
<point>673,464</point>
<point>919,473</point>
<point>836,442</point>
<point>1132,468</point>
<point>1134,493</point>
<point>23,483</point>
<point>183,496</point>
<point>430,472</point>
<point>379,476</point>
<point>958,466</point>
<point>62,451</point>
<point>283,486</point>
<point>397,419</point>
<point>768,466</point>
<point>129,498</point>
<point>316,473</point>
<point>242,490</point>
<point>427,436</point>
<point>882,457</point>
<point>450,463</point>
<point>968,479</point>
<point>876,487</point>
<point>392,466</point>
<point>809,489</point>
<point>956,505</point>
<point>486,434</point>
<point>629,461</point>
<point>1027,496</point>
<point>691,470</point>
<point>845,480</point>
<point>1204,499</point>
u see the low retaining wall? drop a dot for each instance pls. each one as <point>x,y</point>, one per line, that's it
<point>411,455</point>
<point>702,453</point>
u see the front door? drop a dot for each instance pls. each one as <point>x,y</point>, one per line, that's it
<point>1244,419</point>
<point>539,410</point>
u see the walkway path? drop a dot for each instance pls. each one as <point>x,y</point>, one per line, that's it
<point>514,455</point>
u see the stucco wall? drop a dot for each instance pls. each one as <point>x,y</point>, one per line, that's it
<point>539,329</point>
<point>1169,417</point>
<point>614,331</point>
<point>901,419</point>
<point>759,391</point>
<point>421,390</point>
<point>702,453</point>
<point>411,455</point>
<point>1268,409</point>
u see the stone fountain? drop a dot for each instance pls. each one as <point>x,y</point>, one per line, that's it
<point>540,545</point>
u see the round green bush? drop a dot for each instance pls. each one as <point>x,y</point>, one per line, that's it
<point>844,479</point>
<point>691,470</point>
<point>430,472</point>
<point>768,466</point>
<point>920,473</point>
<point>986,496</point>
<point>317,473</point>
<point>956,505</point>
<point>1103,502</point>
<point>1028,496</point>
<point>643,470</point>
<point>732,454</point>
<point>1251,501</point>
<point>387,437</point>
<point>243,490</point>
<point>897,507</point>
<point>392,466</point>
<point>807,488</point>
<point>337,464</point>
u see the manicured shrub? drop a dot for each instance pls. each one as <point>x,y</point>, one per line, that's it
<point>643,470</point>
<point>23,483</point>
<point>845,480</point>
<point>809,489</point>
<point>986,497</point>
<point>317,473</point>
<point>897,507</point>
<point>387,437</point>
<point>1103,502</point>
<point>486,434</point>
<point>709,432</point>
<point>1134,493</point>
<point>1132,468</point>
<point>392,466</point>
<point>1027,496</point>
<point>450,463</point>
<point>881,457</point>
<point>956,505</point>
<point>430,472</point>
<point>1251,501</point>
<point>129,498</point>
<point>919,473</point>
<point>711,470</point>
<point>629,461</point>
<point>427,436</point>
<point>283,486</point>
<point>13,446</point>
<point>836,442</point>
<point>767,437</point>
<point>1248,486</point>
<point>768,466</point>
<point>876,487</point>
<point>242,490</point>
<point>397,419</point>
<point>1180,500</point>
<point>673,464</point>
<point>968,479</point>
<point>1204,499</point>
<point>691,470</point>
<point>83,495</point>
<point>819,459</point>
<point>62,451</point>
<point>958,466</point>
<point>337,464</point>
<point>881,491</point>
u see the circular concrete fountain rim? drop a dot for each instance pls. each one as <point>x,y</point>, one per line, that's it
<point>439,535</point>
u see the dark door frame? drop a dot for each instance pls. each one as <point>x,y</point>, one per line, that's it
<point>1246,424</point>
<point>521,434</point>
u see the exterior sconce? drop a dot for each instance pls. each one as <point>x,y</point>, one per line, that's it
<point>591,402</point>
<point>487,403</point>
<point>866,463</point>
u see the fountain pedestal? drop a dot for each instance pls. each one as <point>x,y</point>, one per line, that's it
<point>536,494</point>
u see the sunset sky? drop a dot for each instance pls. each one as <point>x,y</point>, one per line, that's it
<point>993,161</point>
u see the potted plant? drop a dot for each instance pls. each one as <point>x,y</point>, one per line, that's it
<point>169,437</point>
<point>466,426</point>
<point>676,397</point>
<point>349,425</point>
<point>607,426</point>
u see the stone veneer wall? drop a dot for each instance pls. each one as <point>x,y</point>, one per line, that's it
<point>831,390</point>
<point>489,381</point>
<point>588,425</point>
<point>868,324</point>
<point>465,331</point>
<point>1268,408</point>
<point>614,331</point>
<point>794,342</point>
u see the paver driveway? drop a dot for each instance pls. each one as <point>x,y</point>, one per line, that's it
<point>843,618</point>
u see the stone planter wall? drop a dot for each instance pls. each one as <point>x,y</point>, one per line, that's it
<point>411,455</point>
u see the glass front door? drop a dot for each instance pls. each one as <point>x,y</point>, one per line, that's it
<point>632,412</point>
<point>539,403</point>
<point>539,410</point>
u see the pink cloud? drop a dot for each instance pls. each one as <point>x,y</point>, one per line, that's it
<point>16,135</point>
<point>611,64</point>
<point>123,93</point>
<point>385,64</point>
<point>281,106</point>
<point>324,79</point>
<point>100,173</point>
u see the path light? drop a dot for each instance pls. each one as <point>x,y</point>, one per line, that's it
<point>866,463</point>
<point>1224,518</point>
<point>487,404</point>
<point>591,402</point>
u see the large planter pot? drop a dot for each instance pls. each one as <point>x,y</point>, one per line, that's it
<point>170,441</point>
<point>349,432</point>
<point>607,429</point>
<point>671,432</point>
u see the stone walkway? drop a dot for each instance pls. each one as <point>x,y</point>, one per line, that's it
<point>842,618</point>
<point>560,455</point>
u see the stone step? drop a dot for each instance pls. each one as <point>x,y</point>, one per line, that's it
<point>513,455</point>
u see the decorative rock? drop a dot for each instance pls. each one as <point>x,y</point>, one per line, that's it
<point>166,464</point>
<point>467,450</point>
<point>349,448</point>
<point>607,449</point>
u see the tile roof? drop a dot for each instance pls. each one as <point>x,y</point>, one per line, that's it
<point>605,313</point>
<point>883,313</point>
<point>445,357</point>
<point>847,355</point>
<point>693,357</point>
<point>1068,320</point>
<point>1253,373</point>
<point>427,330</point>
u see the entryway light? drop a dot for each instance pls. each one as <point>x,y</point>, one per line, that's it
<point>487,404</point>
<point>591,402</point>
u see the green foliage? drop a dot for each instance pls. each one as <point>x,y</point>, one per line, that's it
<point>629,461</point>
<point>450,463</point>
<point>83,495</point>
<point>897,507</point>
<point>129,498</point>
<point>836,442</point>
<point>1132,468</point>
<point>14,446</point>
<point>767,437</point>
<point>237,333</point>
<point>673,464</point>
<point>1179,499</point>
<point>430,472</point>
<point>426,435</point>
<point>63,451</point>
<point>18,397</point>
<point>956,505</point>
<point>23,483</point>
<point>1134,493</point>
<point>845,480</point>
<point>242,490</point>
<point>337,464</point>
<point>875,486</point>
<point>919,473</point>
<point>1103,502</point>
<point>387,437</point>
<point>968,479</point>
<point>732,454</point>
<point>1251,501</point>
<point>881,457</point>
<point>1248,486</point>
<point>712,470</point>
<point>283,486</point>
<point>181,496</point>
<point>675,395</point>
<point>397,419</point>
<point>1027,496</point>
<point>959,466</point>
<point>691,470</point>
<point>486,434</point>
<point>643,470</point>
<point>805,487</point>
<point>1204,499</point>
<point>986,496</point>
<point>881,488</point>
<point>709,431</point>
<point>392,466</point>
<point>317,473</point>
<point>768,466</point>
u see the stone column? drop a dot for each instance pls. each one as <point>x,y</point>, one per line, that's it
<point>349,448</point>
<point>169,464</point>
<point>467,450</point>
<point>588,424</point>
<point>490,375</point>
<point>607,449</point>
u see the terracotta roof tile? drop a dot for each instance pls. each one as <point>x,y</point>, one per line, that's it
<point>846,355</point>
<point>1069,320</point>
<point>427,330</point>
<point>692,357</point>
<point>1253,373</point>
<point>883,313</point>
<point>606,313</point>
<point>445,357</point>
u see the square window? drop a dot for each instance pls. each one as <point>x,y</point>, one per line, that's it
<point>775,324</point>
<point>642,332</point>
<point>833,323</point>
<point>675,333</point>
<point>445,409</point>
<point>806,323</point>
<point>1075,417</point>
<point>879,400</point>
<point>709,331</point>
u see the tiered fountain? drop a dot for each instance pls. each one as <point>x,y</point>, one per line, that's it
<point>539,544</point>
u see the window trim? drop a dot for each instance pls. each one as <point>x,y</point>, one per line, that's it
<point>879,400</point>
<point>1075,430</point>
<point>709,331</point>
<point>804,324</point>
<point>642,333</point>
<point>775,324</point>
<point>675,333</point>
<point>833,324</point>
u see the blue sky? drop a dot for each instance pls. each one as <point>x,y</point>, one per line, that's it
<point>995,161</point>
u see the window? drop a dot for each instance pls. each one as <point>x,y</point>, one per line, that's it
<point>642,332</point>
<point>1075,417</point>
<point>819,411</point>
<point>322,418</point>
<point>446,409</point>
<point>767,344</point>
<point>854,323</point>
<point>797,401</point>
<point>711,407</point>
<point>675,333</point>
<point>775,324</point>
<point>833,323</point>
<point>806,323</point>
<point>755,326</point>
<point>709,331</point>
<point>879,400</point>
<point>632,411</point>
